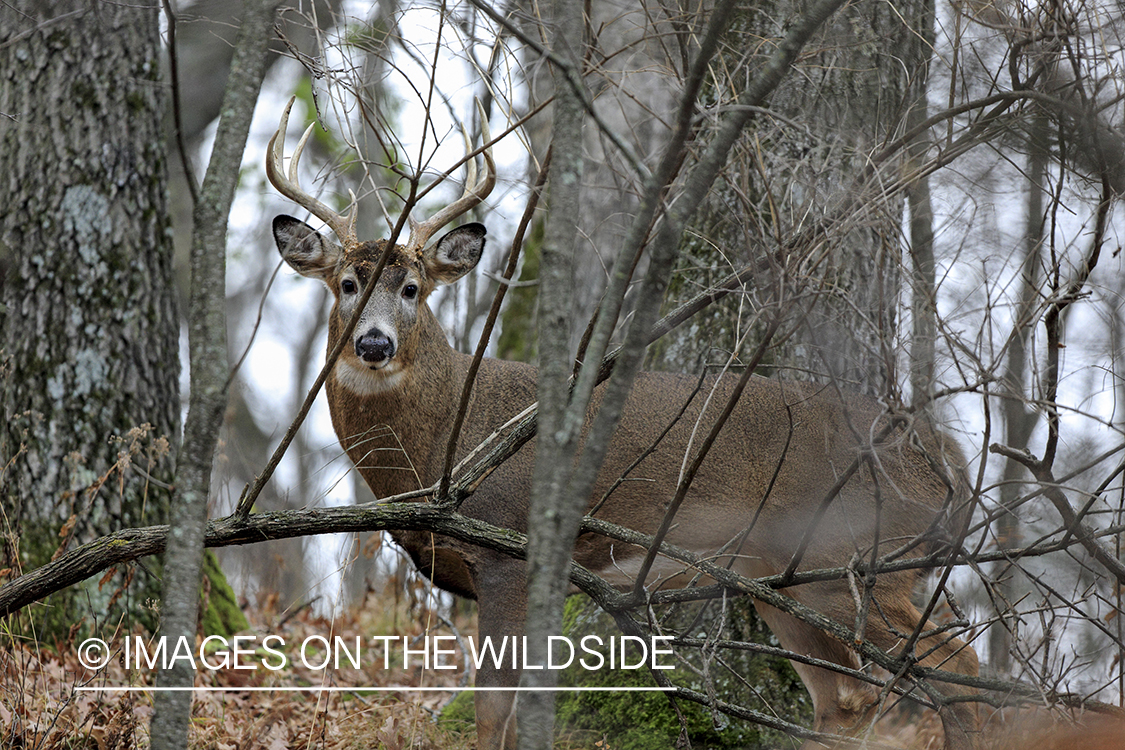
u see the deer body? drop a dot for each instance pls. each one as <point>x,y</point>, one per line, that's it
<point>393,395</point>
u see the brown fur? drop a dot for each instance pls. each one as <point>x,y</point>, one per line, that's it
<point>397,436</point>
<point>1089,731</point>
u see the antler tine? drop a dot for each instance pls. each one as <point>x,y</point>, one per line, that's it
<point>470,165</point>
<point>289,186</point>
<point>475,191</point>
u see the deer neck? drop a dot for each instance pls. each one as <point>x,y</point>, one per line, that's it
<point>395,427</point>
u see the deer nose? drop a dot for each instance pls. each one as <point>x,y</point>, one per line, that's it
<point>374,346</point>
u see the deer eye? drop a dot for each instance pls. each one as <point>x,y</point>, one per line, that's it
<point>347,286</point>
<point>410,291</point>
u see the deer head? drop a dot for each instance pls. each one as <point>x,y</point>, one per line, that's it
<point>387,331</point>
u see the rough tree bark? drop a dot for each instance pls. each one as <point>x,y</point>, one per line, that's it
<point>89,325</point>
<point>793,168</point>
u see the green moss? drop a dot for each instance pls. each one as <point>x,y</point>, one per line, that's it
<point>368,36</point>
<point>222,615</point>
<point>97,606</point>
<point>517,339</point>
<point>83,608</point>
<point>58,39</point>
<point>459,715</point>
<point>644,720</point>
<point>136,102</point>
<point>84,94</point>
<point>638,721</point>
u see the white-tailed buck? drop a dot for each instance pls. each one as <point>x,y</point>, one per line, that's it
<point>396,387</point>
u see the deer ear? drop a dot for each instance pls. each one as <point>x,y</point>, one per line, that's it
<point>304,249</point>
<point>455,254</point>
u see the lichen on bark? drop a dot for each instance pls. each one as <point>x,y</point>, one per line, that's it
<point>89,330</point>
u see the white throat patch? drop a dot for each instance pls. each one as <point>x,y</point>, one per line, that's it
<point>366,382</point>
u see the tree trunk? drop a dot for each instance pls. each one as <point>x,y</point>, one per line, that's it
<point>923,278</point>
<point>634,95</point>
<point>553,514</point>
<point>1019,418</point>
<point>793,170</point>
<point>210,372</point>
<point>89,328</point>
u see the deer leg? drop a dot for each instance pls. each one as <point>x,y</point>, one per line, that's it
<point>841,704</point>
<point>502,603</point>
<point>496,714</point>
<point>959,721</point>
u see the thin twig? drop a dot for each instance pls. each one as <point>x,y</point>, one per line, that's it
<point>177,117</point>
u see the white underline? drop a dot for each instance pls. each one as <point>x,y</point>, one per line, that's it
<point>392,689</point>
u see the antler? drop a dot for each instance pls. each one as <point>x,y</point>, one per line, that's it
<point>475,192</point>
<point>343,226</point>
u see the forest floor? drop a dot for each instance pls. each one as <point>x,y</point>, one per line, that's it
<point>50,701</point>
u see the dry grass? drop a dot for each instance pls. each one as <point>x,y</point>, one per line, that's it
<point>42,707</point>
